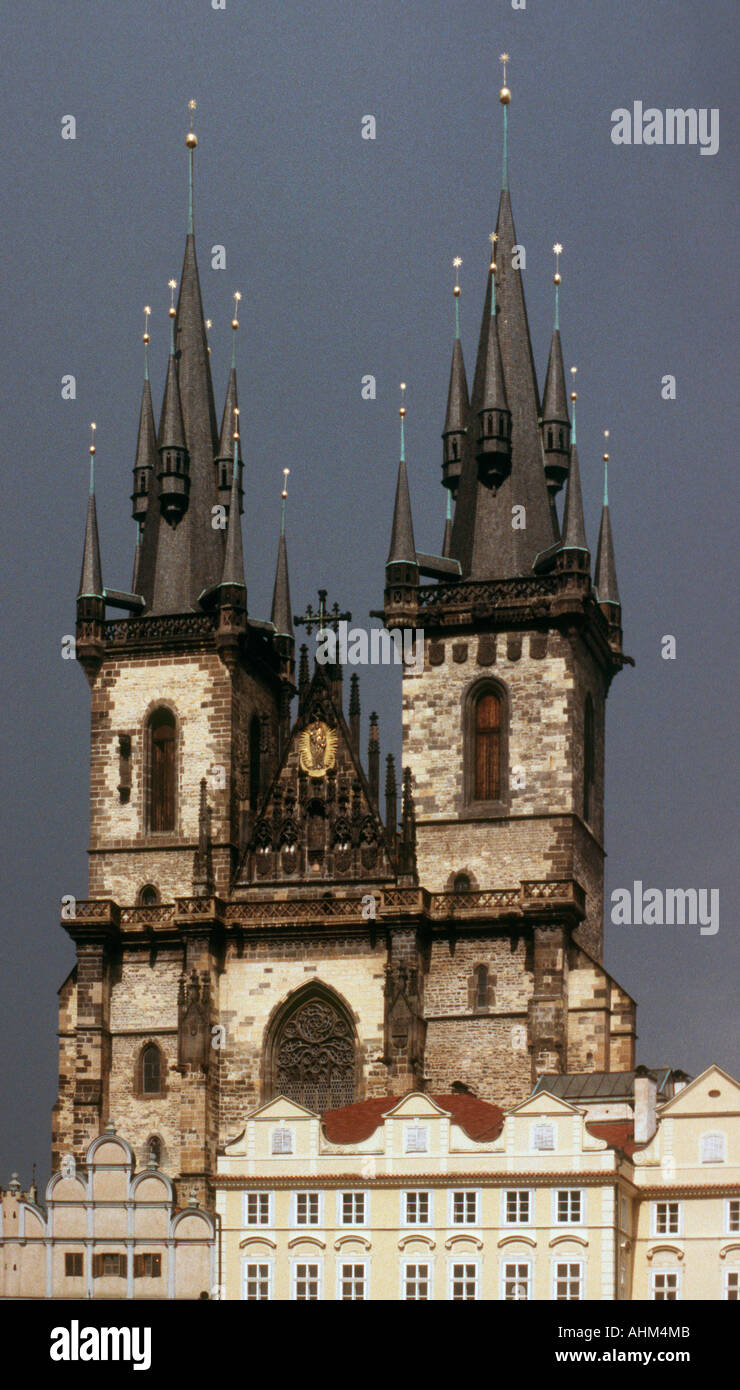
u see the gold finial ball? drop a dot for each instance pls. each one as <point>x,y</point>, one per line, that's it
<point>402,411</point>
<point>504,96</point>
<point>605,458</point>
<point>574,395</point>
<point>92,448</point>
<point>557,278</point>
<point>456,291</point>
<point>234,323</point>
<point>191,140</point>
<point>145,337</point>
<point>172,311</point>
<point>492,267</point>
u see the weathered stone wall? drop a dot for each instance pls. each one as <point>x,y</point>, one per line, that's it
<point>212,716</point>
<point>539,833</point>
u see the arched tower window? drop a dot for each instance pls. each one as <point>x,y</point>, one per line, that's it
<point>311,1054</point>
<point>255,742</point>
<point>150,1071</point>
<point>488,747</point>
<point>148,896</point>
<point>162,746</point>
<point>588,758</point>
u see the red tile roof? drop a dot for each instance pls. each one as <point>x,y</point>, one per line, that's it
<point>353,1123</point>
<point>619,1134</point>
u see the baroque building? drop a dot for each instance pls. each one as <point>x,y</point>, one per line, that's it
<point>260,920</point>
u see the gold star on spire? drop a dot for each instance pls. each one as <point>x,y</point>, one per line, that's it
<point>147,312</point>
<point>557,248</point>
<point>235,320</point>
<point>93,428</point>
<point>284,492</point>
<point>457,262</point>
<point>402,407</point>
<point>573,393</point>
<point>172,286</point>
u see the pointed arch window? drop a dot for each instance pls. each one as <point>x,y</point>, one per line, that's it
<point>150,1069</point>
<point>488,747</point>
<point>311,1053</point>
<point>162,748</point>
<point>485,733</point>
<point>588,758</point>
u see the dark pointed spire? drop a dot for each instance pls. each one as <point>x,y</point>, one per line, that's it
<point>555,418</point>
<point>407,847</point>
<point>91,576</point>
<point>225,455</point>
<point>605,580</point>
<point>484,540</point>
<point>233,571</point>
<point>402,548</point>
<point>574,526</point>
<point>493,435</point>
<point>145,463</point>
<point>456,418</point>
<point>281,614</point>
<point>173,471</point>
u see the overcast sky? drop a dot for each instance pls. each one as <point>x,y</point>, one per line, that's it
<point>342,249</point>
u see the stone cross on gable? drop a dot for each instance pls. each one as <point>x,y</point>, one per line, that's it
<point>322,618</point>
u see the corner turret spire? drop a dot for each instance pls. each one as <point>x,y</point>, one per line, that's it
<point>458,405</point>
<point>281,613</point>
<point>605,579</point>
<point>402,548</point>
<point>555,418</point>
<point>574,529</point>
<point>225,455</point>
<point>91,578</point>
<point>493,448</point>
<point>146,443</point>
<point>233,571</point>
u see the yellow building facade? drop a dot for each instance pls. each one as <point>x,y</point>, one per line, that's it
<point>428,1198</point>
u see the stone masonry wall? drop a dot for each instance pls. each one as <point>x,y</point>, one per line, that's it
<point>210,715</point>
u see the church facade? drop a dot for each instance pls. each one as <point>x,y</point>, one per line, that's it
<point>263,918</point>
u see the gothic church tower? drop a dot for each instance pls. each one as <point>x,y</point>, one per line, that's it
<point>257,923</point>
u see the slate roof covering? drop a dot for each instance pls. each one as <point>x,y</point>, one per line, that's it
<point>353,1123</point>
<point>483,538</point>
<point>599,1085</point>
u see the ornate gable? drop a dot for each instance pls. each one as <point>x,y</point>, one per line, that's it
<point>318,822</point>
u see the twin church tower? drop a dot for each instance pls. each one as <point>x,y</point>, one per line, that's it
<point>263,917</point>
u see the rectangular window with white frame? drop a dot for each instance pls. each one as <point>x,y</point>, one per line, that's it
<point>568,1205</point>
<point>516,1281</point>
<point>257,1209</point>
<point>352,1282</point>
<point>665,1285</point>
<point>307,1209</point>
<point>306,1281</point>
<point>416,1208</point>
<point>567,1281</point>
<point>518,1206</point>
<point>352,1208</point>
<point>416,1281</point>
<point>666,1219</point>
<point>257,1281</point>
<point>732,1285</point>
<point>464,1208</point>
<point>732,1216</point>
<point>464,1281</point>
<point>416,1139</point>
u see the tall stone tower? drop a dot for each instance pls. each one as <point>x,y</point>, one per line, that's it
<point>256,923</point>
<point>504,730</point>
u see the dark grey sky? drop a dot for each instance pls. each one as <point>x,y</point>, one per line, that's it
<point>342,249</point>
